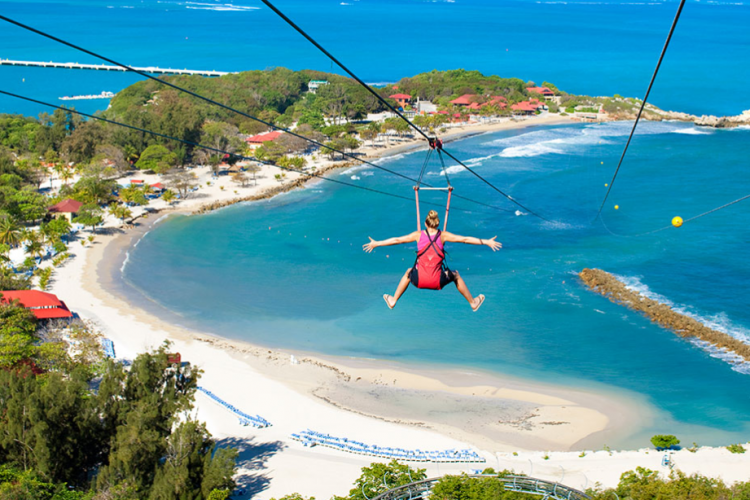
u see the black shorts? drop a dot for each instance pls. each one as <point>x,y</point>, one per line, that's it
<point>446,277</point>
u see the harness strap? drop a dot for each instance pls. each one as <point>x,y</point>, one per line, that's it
<point>419,219</point>
<point>432,245</point>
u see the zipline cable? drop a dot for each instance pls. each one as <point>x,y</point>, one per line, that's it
<point>341,65</point>
<point>224,106</point>
<point>382,100</point>
<point>191,143</point>
<point>643,104</point>
<point>493,186</point>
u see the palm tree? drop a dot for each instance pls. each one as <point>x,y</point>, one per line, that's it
<point>66,174</point>
<point>10,232</point>
<point>168,196</point>
<point>35,249</point>
<point>120,212</point>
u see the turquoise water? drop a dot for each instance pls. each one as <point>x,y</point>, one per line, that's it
<point>290,272</point>
<point>598,48</point>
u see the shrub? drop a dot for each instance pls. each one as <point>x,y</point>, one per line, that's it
<point>583,454</point>
<point>736,448</point>
<point>664,441</point>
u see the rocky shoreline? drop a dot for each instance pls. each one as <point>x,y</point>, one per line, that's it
<point>609,286</point>
<point>653,113</point>
<point>271,192</point>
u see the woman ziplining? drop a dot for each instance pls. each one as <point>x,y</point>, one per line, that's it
<point>429,270</point>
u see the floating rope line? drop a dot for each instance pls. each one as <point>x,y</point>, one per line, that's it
<point>671,226</point>
<point>217,150</point>
<point>643,104</point>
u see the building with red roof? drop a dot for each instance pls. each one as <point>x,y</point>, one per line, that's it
<point>547,93</point>
<point>69,208</point>
<point>401,99</point>
<point>526,107</point>
<point>261,138</point>
<point>42,304</point>
<point>465,100</point>
<point>158,186</point>
<point>258,140</point>
<point>473,101</point>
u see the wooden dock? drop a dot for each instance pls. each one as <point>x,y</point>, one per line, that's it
<point>105,67</point>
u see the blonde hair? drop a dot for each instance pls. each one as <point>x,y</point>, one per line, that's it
<point>433,220</point>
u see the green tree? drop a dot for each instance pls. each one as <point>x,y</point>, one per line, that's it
<point>190,470</point>
<point>10,232</point>
<point>90,215</point>
<point>17,327</point>
<point>168,196</point>
<point>157,158</point>
<point>120,212</point>
<point>374,479</point>
<point>95,185</point>
<point>133,194</point>
<point>664,441</point>
<point>312,117</point>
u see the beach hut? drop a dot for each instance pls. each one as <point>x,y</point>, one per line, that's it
<point>158,187</point>
<point>42,304</point>
<point>68,208</point>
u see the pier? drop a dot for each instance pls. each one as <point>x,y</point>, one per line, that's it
<point>105,67</point>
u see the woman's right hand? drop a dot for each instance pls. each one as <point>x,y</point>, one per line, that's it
<point>494,245</point>
<point>369,247</point>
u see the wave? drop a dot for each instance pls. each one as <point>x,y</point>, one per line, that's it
<point>227,7</point>
<point>738,363</point>
<point>566,140</point>
<point>692,131</point>
<point>529,150</point>
<point>719,322</point>
<point>388,159</point>
<point>355,169</point>
<point>125,262</point>
<point>455,169</point>
<point>355,177</point>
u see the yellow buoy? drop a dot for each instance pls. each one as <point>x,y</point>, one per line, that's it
<point>617,207</point>
<point>677,221</point>
<point>602,163</point>
<point>606,184</point>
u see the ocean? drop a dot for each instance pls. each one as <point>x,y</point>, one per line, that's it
<point>584,47</point>
<point>291,273</point>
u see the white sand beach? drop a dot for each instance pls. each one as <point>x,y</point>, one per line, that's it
<point>523,426</point>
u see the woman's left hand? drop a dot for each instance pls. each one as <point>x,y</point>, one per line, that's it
<point>494,245</point>
<point>369,247</point>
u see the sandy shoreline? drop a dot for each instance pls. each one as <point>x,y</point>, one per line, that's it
<point>378,402</point>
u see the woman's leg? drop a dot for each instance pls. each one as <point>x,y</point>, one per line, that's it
<point>464,290</point>
<point>400,289</point>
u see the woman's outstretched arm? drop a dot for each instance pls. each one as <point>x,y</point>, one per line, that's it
<point>471,240</point>
<point>409,238</point>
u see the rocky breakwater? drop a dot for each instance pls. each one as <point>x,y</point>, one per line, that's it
<point>723,121</point>
<point>609,286</point>
<point>708,120</point>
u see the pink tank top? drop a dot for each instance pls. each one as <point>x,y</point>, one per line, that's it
<point>430,260</point>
